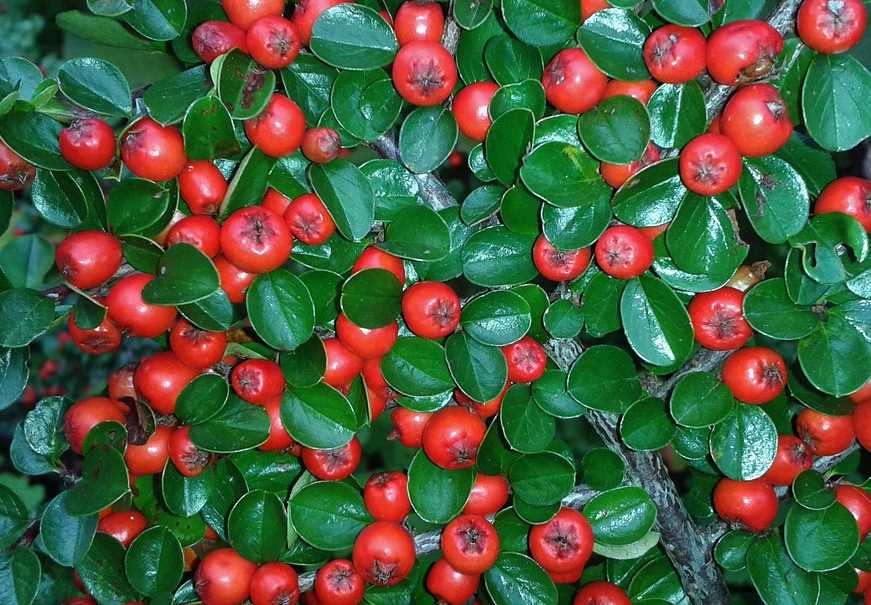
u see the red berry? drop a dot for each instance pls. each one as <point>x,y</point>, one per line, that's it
<point>257,380</point>
<point>742,51</point>
<point>640,90</point>
<point>234,281</point>
<point>386,496</point>
<point>826,435</point>
<point>753,504</point>
<point>273,42</point>
<point>279,438</point>
<point>275,201</point>
<point>342,365</point>
<point>591,7</point>
<point>120,383</point>
<point>470,544</point>
<point>88,144</point>
<point>862,423</point>
<point>572,83</point>
<point>624,252</point>
<point>831,27</point>
<point>245,12</point>
<point>559,265</point>
<point>307,12</point>
<point>757,120</point>
<point>211,39</point>
<point>201,232</point>
<point>601,593</point>
<point>617,174</point>
<point>160,378</point>
<point>15,172</point>
<point>710,164</point>
<point>274,584</point>
<point>129,312</point>
<point>849,195</point>
<point>278,130</point>
<point>718,319</point>
<point>88,258</point>
<point>367,343</point>
<point>755,374</point>
<point>793,456</point>
<point>105,338</point>
<point>675,54</point>
<point>321,145</point>
<point>338,583</point>
<point>489,494</point>
<point>471,108</point>
<point>408,426</point>
<point>196,348</point>
<point>223,577</point>
<point>309,220</point>
<point>374,258</point>
<point>81,600</point>
<point>190,460</point>
<point>570,577</point>
<point>487,409</point>
<point>424,73</point>
<point>124,526</point>
<point>335,464</point>
<point>452,436</point>
<point>416,20</point>
<point>449,585</point>
<point>563,544</point>
<point>526,360</point>
<point>858,502</point>
<point>150,457</point>
<point>152,151</point>
<point>384,553</point>
<point>202,186</point>
<point>431,309</point>
<point>256,239</point>
<point>85,414</point>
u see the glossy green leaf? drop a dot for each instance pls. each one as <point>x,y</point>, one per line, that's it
<point>832,101</point>
<point>14,517</point>
<point>208,131</point>
<point>810,490</point>
<point>549,392</point>
<point>20,575</point>
<point>14,373</point>
<point>542,22</point>
<point>677,114</point>
<point>328,514</point>
<point>701,237</point>
<point>603,469</point>
<point>418,233</point>
<point>820,540</point>
<point>184,275</point>
<point>563,175</point>
<point>66,538</point>
<point>498,257</point>
<point>318,417</point>
<point>371,298</point>
<point>256,526</point>
<point>427,137</point>
<point>347,195</point>
<point>506,142</point>
<point>168,100</point>
<point>563,319</point>
<point>33,136</point>
<point>478,369</point>
<point>744,444</point>
<point>542,479</point>
<point>621,516</point>
<point>238,426</point>
<point>365,103</point>
<point>104,480</point>
<point>604,378</point>
<point>95,84</point>
<point>243,85</point>
<point>154,562</point>
<point>157,19</point>
<point>417,367</point>
<point>613,40</point>
<point>655,322</point>
<point>527,94</point>
<point>280,309</point>
<point>646,426</point>
<point>516,578</point>
<point>511,61</point>
<point>353,36</point>
<point>497,318</point>
<point>136,205</point>
<point>471,13</point>
<point>775,198</point>
<point>835,357</point>
<point>437,495</point>
<point>527,428</point>
<point>769,310</point>
<point>699,400</point>
<point>650,197</point>
<point>617,130</point>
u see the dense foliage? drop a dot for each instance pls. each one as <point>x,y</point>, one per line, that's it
<point>631,365</point>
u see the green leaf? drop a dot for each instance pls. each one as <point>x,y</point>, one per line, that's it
<point>677,114</point>
<point>527,428</point>
<point>14,373</point>
<point>603,469</point>
<point>238,426</point>
<point>614,40</point>
<point>823,242</point>
<point>417,367</point>
<point>304,366</point>
<point>214,313</point>
<point>394,187</point>
<point>26,314</point>
<point>365,103</point>
<point>542,479</point>
<point>775,198</point>
<point>601,306</point>
<point>563,319</point>
<point>20,575</point>
<point>528,94</point>
<point>256,526</point>
<point>655,583</point>
<point>563,175</point>
<point>66,538</point>
<point>280,309</point>
<point>328,514</point>
<point>59,199</point>
<point>730,551</point>
<point>833,101</point>
<point>208,131</point>
<point>418,233</point>
<point>437,495</point>
<point>498,257</point>
<point>25,260</point>
<point>103,30</point>
<point>481,204</point>
<point>427,137</point>
<point>617,130</point>
<point>347,195</point>
<point>778,580</point>
<point>136,205</point>
<point>308,81</point>
<point>371,298</point>
<point>689,13</point>
<point>701,238</point>
<point>243,85</point>
<point>104,480</point>
<point>168,100</point>
<point>471,13</point>
<point>511,61</point>
<point>95,84</point>
<point>185,496</point>
<point>202,399</point>
<point>353,36</point>
<point>810,490</point>
<point>14,518</point>
<point>270,471</point>
<point>769,310</point>
<point>815,165</point>
<point>497,318</point>
<point>157,19</point>
<point>655,322</point>
<point>542,22</point>
<point>604,378</point>
<point>549,392</point>
<point>835,357</point>
<point>154,562</point>
<point>820,540</point>
<point>621,516</point>
<point>744,444</point>
<point>33,136</point>
<point>318,417</point>
<point>507,140</point>
<point>650,197</point>
<point>43,426</point>
<point>515,578</point>
<point>646,426</point>
<point>184,275</point>
<point>110,8</point>
<point>102,571</point>
<point>699,400</point>
<point>479,370</point>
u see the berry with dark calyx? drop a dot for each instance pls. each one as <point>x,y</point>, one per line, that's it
<point>256,239</point>
<point>718,319</point>
<point>375,258</point>
<point>424,73</point>
<point>793,456</point>
<point>383,553</point>
<point>755,374</point>
<point>152,151</point>
<point>431,309</point>
<point>471,109</point>
<point>196,348</point>
<point>624,252</point>
<point>417,20</point>
<point>572,83</point>
<point>342,364</point>
<point>527,360</point>
<point>757,120</point>
<point>202,186</point>
<point>278,130</point>
<point>274,584</point>
<point>452,436</point>
<point>104,338</point>
<point>489,494</point>
<point>335,464</point>
<point>339,583</point>
<point>321,145</point>
<point>87,259</point>
<point>15,172</point>
<point>408,426</point>
<point>449,585</point>
<point>85,414</point>
<point>88,144</point>
<point>831,26</point>
<point>742,51</point>
<point>124,526</point>
<point>188,459</point>
<point>858,502</point>
<point>559,265</point>
<point>234,281</point>
<point>160,378</point>
<point>710,164</point>
<point>273,42</point>
<point>211,39</point>
<point>848,195</point>
<point>386,496</point>
<point>309,220</point>
<point>223,577</point>
<point>470,544</point>
<point>244,13</point>
<point>563,544</point>
<point>131,313</point>
<point>367,343</point>
<point>601,593</point>
<point>150,457</point>
<point>675,54</point>
<point>752,504</point>
<point>640,90</point>
<point>826,435</point>
<point>200,231</point>
<point>257,380</point>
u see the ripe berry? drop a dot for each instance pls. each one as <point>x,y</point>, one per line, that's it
<point>273,42</point>
<point>80,600</point>
<point>105,338</point>
<point>858,502</point>
<point>120,383</point>
<point>742,51</point>
<point>487,409</point>
<point>374,258</point>
<point>278,130</point>
<point>257,380</point>
<point>757,120</point>
<point>640,90</point>
<point>564,543</point>
<point>470,544</point>
<point>274,584</point>
<point>849,195</point>
<point>489,494</point>
<point>88,144</point>
<point>201,232</point>
<point>338,583</point>
<point>408,426</point>
<point>160,378</point>
<point>335,464</point>
<point>15,172</point>
<point>383,553</point>
<point>471,109</point>
<point>211,39</point>
<point>755,374</point>
<point>85,414</point>
<point>718,319</point>
<point>424,73</point>
<point>386,496</point>
<point>223,577</point>
<point>571,577</point>
<point>826,435</point>
<point>279,438</point>
<point>256,239</point>
<point>452,436</point>
<point>793,456</point>
<point>710,164</point>
<point>245,12</point>
<point>86,259</point>
<point>526,360</point>
<point>367,343</point>
<point>862,395</point>
<point>321,145</point>
<point>601,593</point>
<point>617,174</point>
<point>559,265</point>
<point>624,252</point>
<point>675,54</point>
<point>124,526</point>
<point>449,585</point>
<point>234,281</point>
<point>342,365</point>
<point>753,504</point>
<point>862,423</point>
<point>150,457</point>
<point>152,151</point>
<point>276,201</point>
<point>572,83</point>
<point>831,26</point>
<point>416,20</point>
<point>202,186</point>
<point>309,220</point>
<point>129,312</point>
<point>431,309</point>
<point>190,460</point>
<point>591,7</point>
<point>196,348</point>
<point>307,12</point>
